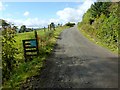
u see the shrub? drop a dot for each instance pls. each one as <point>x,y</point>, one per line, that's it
<point>8,52</point>
<point>70,24</point>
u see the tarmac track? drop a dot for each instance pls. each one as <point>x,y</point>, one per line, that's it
<point>76,62</point>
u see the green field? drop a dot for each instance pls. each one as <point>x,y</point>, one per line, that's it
<point>24,70</point>
<point>23,36</point>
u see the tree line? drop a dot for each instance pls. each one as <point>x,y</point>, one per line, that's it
<point>23,28</point>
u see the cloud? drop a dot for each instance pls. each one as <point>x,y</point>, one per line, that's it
<point>74,14</point>
<point>26,13</point>
<point>1,6</point>
<point>56,21</point>
<point>29,22</point>
<point>32,22</point>
<point>66,15</point>
<point>35,22</point>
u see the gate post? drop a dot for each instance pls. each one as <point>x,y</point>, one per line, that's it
<point>36,36</point>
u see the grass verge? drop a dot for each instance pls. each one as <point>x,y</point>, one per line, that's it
<point>31,68</point>
<point>98,42</point>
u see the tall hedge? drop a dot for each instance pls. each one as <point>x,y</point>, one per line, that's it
<point>102,23</point>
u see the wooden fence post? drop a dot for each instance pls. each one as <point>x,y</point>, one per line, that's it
<point>44,29</point>
<point>36,36</point>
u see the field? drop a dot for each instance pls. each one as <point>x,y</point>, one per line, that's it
<point>23,70</point>
<point>22,36</point>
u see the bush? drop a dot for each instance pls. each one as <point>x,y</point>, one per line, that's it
<point>70,24</point>
<point>104,28</point>
<point>8,52</point>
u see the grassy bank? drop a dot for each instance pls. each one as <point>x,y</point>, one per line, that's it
<point>98,41</point>
<point>24,70</point>
<point>100,24</point>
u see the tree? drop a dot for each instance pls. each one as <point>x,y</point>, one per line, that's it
<point>44,28</point>
<point>58,24</point>
<point>101,22</point>
<point>8,51</point>
<point>52,25</point>
<point>28,30</point>
<point>15,28</point>
<point>3,23</point>
<point>100,7</point>
<point>70,24</point>
<point>22,29</point>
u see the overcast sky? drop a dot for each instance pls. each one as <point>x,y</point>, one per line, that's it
<point>40,14</point>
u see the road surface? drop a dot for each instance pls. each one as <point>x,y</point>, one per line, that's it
<point>76,62</point>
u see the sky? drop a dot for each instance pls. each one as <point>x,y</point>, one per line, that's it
<point>40,14</point>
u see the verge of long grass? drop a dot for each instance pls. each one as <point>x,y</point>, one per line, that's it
<point>98,42</point>
<point>31,68</point>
